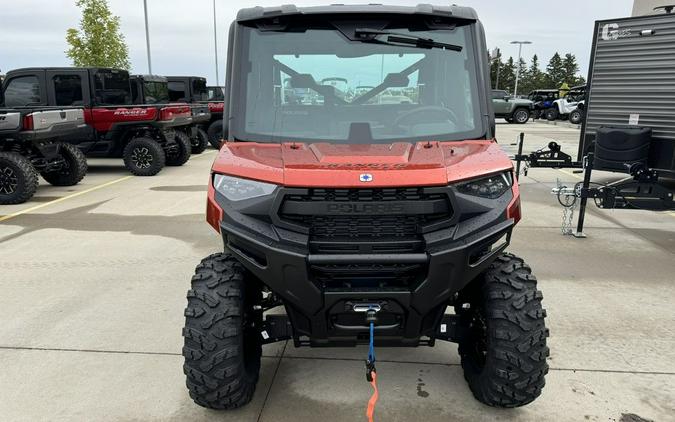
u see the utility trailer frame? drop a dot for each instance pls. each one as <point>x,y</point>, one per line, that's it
<point>639,92</point>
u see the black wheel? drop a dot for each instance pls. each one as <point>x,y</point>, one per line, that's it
<point>179,153</point>
<point>521,116</point>
<point>18,179</point>
<point>200,141</point>
<point>504,353</point>
<point>551,114</point>
<point>576,116</point>
<point>222,341</point>
<point>215,133</point>
<point>72,171</point>
<point>144,157</point>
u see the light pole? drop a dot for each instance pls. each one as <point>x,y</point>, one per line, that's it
<point>520,50</point>
<point>147,35</point>
<point>215,42</point>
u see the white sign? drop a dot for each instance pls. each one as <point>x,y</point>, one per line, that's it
<point>634,119</point>
<point>612,31</point>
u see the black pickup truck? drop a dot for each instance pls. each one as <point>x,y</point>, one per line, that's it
<point>32,142</point>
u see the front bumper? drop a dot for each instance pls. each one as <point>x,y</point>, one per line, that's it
<point>323,316</point>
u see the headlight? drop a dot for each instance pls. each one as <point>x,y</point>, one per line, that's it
<point>488,187</point>
<point>236,189</point>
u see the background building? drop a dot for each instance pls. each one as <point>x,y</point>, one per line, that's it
<point>646,7</point>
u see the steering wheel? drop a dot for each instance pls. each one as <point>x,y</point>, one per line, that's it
<point>431,114</point>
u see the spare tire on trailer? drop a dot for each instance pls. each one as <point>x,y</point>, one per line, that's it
<point>73,170</point>
<point>18,179</point>
<point>215,133</point>
<point>144,156</point>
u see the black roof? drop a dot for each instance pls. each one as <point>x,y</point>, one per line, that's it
<point>36,69</point>
<point>185,77</point>
<point>256,13</point>
<point>151,78</point>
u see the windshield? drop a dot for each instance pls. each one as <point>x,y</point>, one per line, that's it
<point>156,92</point>
<point>318,85</point>
<point>112,88</point>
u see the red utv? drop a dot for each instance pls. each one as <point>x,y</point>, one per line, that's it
<point>370,222</point>
<point>145,136</point>
<point>153,89</point>
<point>193,90</point>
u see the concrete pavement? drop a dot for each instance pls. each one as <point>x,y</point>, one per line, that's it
<point>93,281</point>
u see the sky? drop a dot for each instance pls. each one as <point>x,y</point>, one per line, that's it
<point>181,32</point>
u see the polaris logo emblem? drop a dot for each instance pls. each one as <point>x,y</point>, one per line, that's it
<point>366,177</point>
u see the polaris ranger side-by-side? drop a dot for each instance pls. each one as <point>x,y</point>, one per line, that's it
<point>29,145</point>
<point>143,135</point>
<point>369,223</point>
<point>193,90</point>
<point>152,89</point>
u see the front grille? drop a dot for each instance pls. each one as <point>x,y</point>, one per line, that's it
<point>366,276</point>
<point>366,221</point>
<point>384,194</point>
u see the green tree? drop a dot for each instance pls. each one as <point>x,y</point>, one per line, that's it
<point>555,73</point>
<point>534,77</point>
<point>570,69</point>
<point>507,75</point>
<point>522,76</point>
<point>98,41</point>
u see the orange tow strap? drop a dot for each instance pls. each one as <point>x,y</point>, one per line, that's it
<point>373,398</point>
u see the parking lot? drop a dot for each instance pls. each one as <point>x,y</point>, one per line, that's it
<point>93,280</point>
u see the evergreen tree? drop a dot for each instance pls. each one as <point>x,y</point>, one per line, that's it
<point>98,42</point>
<point>507,75</point>
<point>555,73</point>
<point>522,76</point>
<point>570,69</point>
<point>535,77</point>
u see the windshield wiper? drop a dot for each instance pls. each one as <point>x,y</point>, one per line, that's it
<point>396,38</point>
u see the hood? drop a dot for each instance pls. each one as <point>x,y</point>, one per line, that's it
<point>358,166</point>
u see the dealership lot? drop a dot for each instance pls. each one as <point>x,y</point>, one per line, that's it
<point>93,280</point>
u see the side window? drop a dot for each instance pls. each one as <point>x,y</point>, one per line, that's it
<point>498,95</point>
<point>177,91</point>
<point>22,91</point>
<point>68,90</point>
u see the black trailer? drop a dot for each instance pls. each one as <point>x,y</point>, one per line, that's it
<point>629,124</point>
